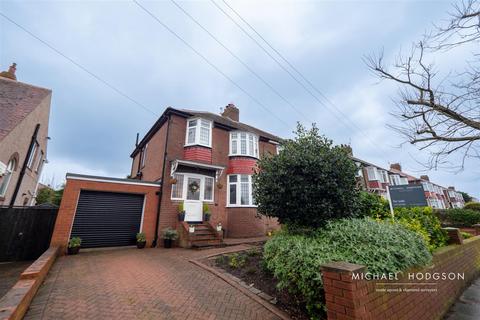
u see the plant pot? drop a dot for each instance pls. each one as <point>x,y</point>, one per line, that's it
<point>73,250</point>
<point>206,217</point>
<point>181,216</point>
<point>167,243</point>
<point>141,244</point>
<point>191,229</point>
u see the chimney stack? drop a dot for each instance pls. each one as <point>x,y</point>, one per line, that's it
<point>231,112</point>
<point>10,74</point>
<point>425,177</point>
<point>396,166</point>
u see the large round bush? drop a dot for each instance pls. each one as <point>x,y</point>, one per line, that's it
<point>310,182</point>
<point>295,259</point>
<point>472,206</point>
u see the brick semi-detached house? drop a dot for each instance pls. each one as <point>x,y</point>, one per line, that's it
<point>206,159</point>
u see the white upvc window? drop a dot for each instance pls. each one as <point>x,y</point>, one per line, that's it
<point>243,144</point>
<point>143,156</point>
<point>239,191</point>
<point>395,179</point>
<point>279,148</point>
<point>39,162</point>
<point>32,155</point>
<point>359,172</point>
<point>383,176</point>
<point>5,179</point>
<point>199,132</point>
<point>180,190</point>
<point>403,180</point>
<point>373,174</point>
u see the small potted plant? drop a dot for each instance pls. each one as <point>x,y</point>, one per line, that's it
<point>141,240</point>
<point>181,212</point>
<point>206,212</point>
<point>169,235</point>
<point>74,245</point>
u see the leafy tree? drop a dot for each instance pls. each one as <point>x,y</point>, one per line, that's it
<point>45,195</point>
<point>310,182</point>
<point>466,197</point>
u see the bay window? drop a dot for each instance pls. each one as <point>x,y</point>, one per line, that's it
<point>243,144</point>
<point>239,192</point>
<point>199,131</point>
<point>183,190</point>
<point>373,174</point>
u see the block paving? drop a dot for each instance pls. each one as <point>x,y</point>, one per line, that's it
<point>140,284</point>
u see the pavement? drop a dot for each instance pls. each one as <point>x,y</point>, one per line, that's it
<point>10,273</point>
<point>467,307</point>
<point>140,284</point>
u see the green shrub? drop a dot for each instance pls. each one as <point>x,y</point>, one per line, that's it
<point>75,242</point>
<point>169,233</point>
<point>466,235</point>
<point>141,237</point>
<point>237,261</point>
<point>310,182</point>
<point>460,217</point>
<point>295,259</point>
<point>372,205</point>
<point>423,221</point>
<point>472,206</point>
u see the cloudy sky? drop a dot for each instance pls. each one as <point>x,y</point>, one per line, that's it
<point>93,127</point>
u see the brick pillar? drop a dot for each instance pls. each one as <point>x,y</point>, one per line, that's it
<point>454,235</point>
<point>345,296</point>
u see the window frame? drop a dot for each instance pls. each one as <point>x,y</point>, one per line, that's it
<point>39,161</point>
<point>238,192</point>
<point>143,156</point>
<point>198,130</point>
<point>248,148</point>
<point>12,163</point>
<point>376,175</point>
<point>33,154</point>
<point>202,178</point>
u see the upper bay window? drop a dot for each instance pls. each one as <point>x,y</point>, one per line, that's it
<point>243,144</point>
<point>373,174</point>
<point>199,132</point>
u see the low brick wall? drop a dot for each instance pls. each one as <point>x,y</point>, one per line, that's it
<point>14,304</point>
<point>405,297</point>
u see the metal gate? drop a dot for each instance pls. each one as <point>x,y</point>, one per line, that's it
<point>107,219</point>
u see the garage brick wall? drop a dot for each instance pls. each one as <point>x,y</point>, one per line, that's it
<point>71,193</point>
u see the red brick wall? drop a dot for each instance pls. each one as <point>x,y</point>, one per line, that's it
<point>68,206</point>
<point>198,153</point>
<point>241,165</point>
<point>244,222</point>
<point>361,299</point>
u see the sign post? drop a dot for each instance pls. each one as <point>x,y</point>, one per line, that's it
<point>390,202</point>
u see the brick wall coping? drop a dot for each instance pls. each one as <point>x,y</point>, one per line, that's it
<point>342,267</point>
<point>75,176</point>
<point>14,304</point>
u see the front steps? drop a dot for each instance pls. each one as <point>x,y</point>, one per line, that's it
<point>205,237</point>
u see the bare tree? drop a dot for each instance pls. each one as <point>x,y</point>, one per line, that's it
<point>439,113</point>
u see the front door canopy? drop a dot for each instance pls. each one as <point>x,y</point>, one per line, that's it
<point>218,169</point>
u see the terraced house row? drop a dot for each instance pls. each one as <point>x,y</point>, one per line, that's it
<point>376,179</point>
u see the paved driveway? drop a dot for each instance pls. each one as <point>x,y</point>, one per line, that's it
<point>139,284</point>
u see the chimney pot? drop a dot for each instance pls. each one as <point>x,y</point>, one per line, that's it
<point>231,112</point>
<point>425,177</point>
<point>10,74</point>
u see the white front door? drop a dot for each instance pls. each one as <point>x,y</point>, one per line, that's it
<point>192,204</point>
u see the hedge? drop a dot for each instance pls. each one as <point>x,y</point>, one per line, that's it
<point>459,217</point>
<point>472,206</point>
<point>295,259</point>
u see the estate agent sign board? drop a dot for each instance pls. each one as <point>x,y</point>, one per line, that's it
<point>410,195</point>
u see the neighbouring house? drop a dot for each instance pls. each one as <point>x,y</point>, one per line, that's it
<point>24,116</point>
<point>375,179</point>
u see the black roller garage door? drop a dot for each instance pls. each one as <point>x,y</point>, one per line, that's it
<point>107,219</point>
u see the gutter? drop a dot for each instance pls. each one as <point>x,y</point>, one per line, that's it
<point>160,192</point>
<point>24,166</point>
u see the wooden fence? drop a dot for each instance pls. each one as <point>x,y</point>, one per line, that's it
<point>25,232</point>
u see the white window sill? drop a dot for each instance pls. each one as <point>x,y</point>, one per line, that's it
<point>242,155</point>
<point>197,144</point>
<point>240,206</point>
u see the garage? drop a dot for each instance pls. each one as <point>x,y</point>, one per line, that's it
<point>107,219</point>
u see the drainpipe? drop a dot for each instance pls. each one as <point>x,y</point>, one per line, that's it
<point>24,166</point>
<point>162,181</point>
